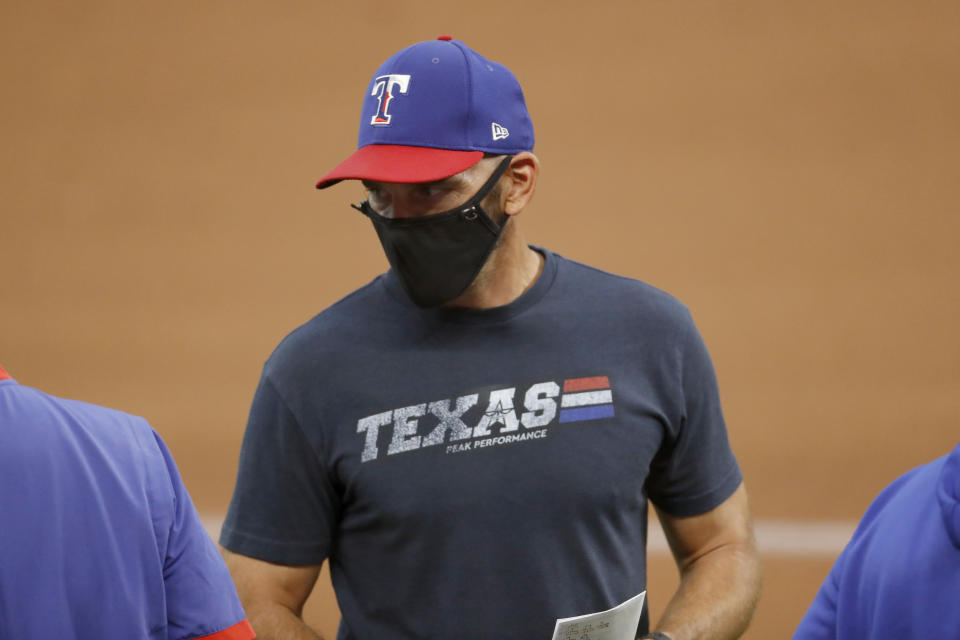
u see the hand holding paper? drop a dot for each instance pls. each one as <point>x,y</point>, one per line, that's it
<point>619,623</point>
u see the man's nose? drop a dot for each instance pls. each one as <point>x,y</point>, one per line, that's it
<point>400,207</point>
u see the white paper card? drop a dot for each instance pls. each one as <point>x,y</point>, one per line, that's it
<point>619,623</point>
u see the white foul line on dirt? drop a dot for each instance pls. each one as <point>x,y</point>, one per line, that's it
<point>774,537</point>
<point>783,537</point>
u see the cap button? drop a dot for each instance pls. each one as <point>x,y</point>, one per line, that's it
<point>444,38</point>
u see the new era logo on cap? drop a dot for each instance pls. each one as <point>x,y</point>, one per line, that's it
<point>499,131</point>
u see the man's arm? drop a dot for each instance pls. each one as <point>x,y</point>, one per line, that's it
<point>273,596</point>
<point>720,572</point>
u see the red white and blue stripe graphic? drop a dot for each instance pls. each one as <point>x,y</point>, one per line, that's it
<point>586,399</point>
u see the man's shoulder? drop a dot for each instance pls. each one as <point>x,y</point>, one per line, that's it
<point>43,405</point>
<point>619,291</point>
<point>342,325</point>
<point>900,507</point>
<point>919,482</point>
<point>54,423</point>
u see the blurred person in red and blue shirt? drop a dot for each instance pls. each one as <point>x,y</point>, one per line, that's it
<point>98,535</point>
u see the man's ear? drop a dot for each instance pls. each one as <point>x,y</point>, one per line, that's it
<point>519,182</point>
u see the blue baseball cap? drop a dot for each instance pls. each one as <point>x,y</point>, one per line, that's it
<point>431,111</point>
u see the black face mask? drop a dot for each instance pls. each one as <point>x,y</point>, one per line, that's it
<point>437,256</point>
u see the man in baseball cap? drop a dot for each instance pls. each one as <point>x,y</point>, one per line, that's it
<point>433,111</point>
<point>471,439</point>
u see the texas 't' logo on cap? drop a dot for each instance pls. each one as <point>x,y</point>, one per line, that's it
<point>383,89</point>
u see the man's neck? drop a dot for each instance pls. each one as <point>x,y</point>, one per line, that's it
<point>511,270</point>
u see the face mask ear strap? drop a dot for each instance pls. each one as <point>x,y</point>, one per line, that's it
<point>364,208</point>
<point>488,185</point>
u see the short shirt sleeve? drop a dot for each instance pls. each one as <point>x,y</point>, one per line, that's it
<point>695,469</point>
<point>201,599</point>
<point>284,509</point>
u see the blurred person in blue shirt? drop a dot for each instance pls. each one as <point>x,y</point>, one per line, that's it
<point>899,576</point>
<point>98,535</point>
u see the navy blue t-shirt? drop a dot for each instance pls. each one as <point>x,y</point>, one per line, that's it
<point>481,473</point>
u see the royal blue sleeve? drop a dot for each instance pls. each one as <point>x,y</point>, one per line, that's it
<point>201,599</point>
<point>820,620</point>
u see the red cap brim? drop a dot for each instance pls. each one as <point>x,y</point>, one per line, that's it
<point>393,163</point>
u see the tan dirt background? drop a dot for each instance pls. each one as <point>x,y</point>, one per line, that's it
<point>789,170</point>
